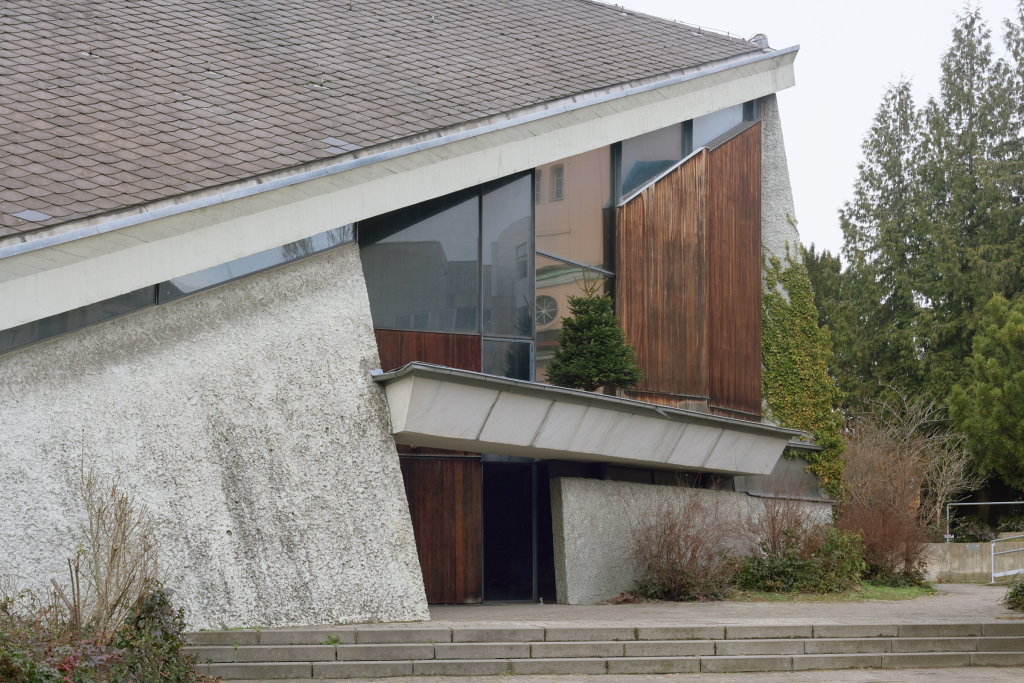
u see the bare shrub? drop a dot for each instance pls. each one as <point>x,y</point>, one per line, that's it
<point>680,544</point>
<point>780,518</point>
<point>885,471</point>
<point>119,559</point>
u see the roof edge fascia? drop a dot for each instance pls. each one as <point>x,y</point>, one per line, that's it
<point>441,372</point>
<point>69,232</point>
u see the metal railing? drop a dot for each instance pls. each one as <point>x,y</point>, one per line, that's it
<point>996,574</point>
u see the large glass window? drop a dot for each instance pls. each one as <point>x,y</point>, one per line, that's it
<point>421,265</point>
<point>707,128</point>
<point>507,278</point>
<point>647,156</point>
<point>556,282</point>
<point>506,358</point>
<point>577,223</point>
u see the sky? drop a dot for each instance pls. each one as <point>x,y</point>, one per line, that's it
<point>849,53</point>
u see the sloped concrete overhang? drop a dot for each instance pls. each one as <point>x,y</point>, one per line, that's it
<point>438,407</point>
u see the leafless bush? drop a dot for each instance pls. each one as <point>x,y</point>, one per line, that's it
<point>680,544</point>
<point>781,519</point>
<point>919,430</point>
<point>119,559</point>
<point>885,472</point>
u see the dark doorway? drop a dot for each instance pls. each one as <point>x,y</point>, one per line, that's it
<point>518,548</point>
<point>444,503</point>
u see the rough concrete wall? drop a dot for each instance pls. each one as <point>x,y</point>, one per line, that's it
<point>970,562</point>
<point>591,531</point>
<point>776,191</point>
<point>245,417</point>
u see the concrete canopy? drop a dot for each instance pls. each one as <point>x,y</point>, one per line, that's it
<point>438,407</point>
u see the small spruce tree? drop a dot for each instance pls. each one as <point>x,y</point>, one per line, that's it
<point>593,351</point>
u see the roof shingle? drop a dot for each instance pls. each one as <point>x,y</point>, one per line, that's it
<point>109,104</point>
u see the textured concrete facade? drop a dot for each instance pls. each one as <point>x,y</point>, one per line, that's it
<point>591,518</point>
<point>778,214</point>
<point>246,418</point>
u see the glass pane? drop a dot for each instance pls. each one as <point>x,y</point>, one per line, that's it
<point>556,282</point>
<point>575,217</point>
<point>707,128</point>
<point>506,359</point>
<point>23,335</point>
<point>232,270</point>
<point>646,156</point>
<point>507,253</point>
<point>420,265</point>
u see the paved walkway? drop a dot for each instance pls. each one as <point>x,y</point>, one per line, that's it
<point>963,603</point>
<point>974,675</point>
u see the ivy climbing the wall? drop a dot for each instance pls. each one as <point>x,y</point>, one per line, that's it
<point>795,352</point>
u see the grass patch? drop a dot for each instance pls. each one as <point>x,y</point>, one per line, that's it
<point>859,594</point>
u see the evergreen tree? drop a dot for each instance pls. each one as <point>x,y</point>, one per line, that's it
<point>882,234</point>
<point>988,403</point>
<point>593,351</point>
<point>826,275</point>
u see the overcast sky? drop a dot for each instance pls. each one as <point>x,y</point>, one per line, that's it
<point>849,52</point>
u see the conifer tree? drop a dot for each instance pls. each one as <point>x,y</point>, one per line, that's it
<point>882,233</point>
<point>593,351</point>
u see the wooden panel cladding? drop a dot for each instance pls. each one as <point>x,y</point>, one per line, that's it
<point>672,400</point>
<point>734,274</point>
<point>398,347</point>
<point>661,282</point>
<point>445,503</point>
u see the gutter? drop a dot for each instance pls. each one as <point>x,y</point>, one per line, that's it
<point>257,185</point>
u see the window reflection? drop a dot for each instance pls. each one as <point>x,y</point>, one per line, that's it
<point>506,358</point>
<point>556,282</point>
<point>578,225</point>
<point>421,267</point>
<point>707,128</point>
<point>507,282</point>
<point>646,156</point>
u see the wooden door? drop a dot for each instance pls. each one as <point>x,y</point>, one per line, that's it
<point>444,497</point>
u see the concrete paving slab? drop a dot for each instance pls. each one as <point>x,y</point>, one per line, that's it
<point>856,630</point>
<point>998,659</point>
<point>337,636</point>
<point>482,651</point>
<point>461,667</point>
<point>1001,644</point>
<point>929,659</point>
<point>745,664</point>
<point>497,635</point>
<point>230,638</point>
<point>566,650</point>
<point>653,665</point>
<point>832,662</point>
<point>847,646</point>
<point>935,645</point>
<point>1005,628</point>
<point>386,635</point>
<point>559,666</point>
<point>209,655</point>
<point>768,631</point>
<point>939,630</point>
<point>585,633</point>
<point>285,653</point>
<point>342,670</point>
<point>262,671</point>
<point>393,652</point>
<point>670,648</point>
<point>759,647</point>
<point>681,633</point>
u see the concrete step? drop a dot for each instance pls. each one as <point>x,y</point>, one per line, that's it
<point>614,665</point>
<point>378,635</point>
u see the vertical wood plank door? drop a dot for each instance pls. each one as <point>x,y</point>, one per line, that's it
<point>445,503</point>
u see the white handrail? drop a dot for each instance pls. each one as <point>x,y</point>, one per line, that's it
<point>1004,552</point>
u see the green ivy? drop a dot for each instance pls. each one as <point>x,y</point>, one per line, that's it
<point>795,353</point>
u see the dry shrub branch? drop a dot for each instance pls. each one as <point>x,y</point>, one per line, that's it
<point>680,544</point>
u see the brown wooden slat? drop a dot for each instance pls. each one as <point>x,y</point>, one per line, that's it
<point>398,347</point>
<point>734,274</point>
<point>661,280</point>
<point>444,497</point>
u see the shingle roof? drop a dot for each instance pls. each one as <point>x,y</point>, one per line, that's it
<point>114,103</point>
